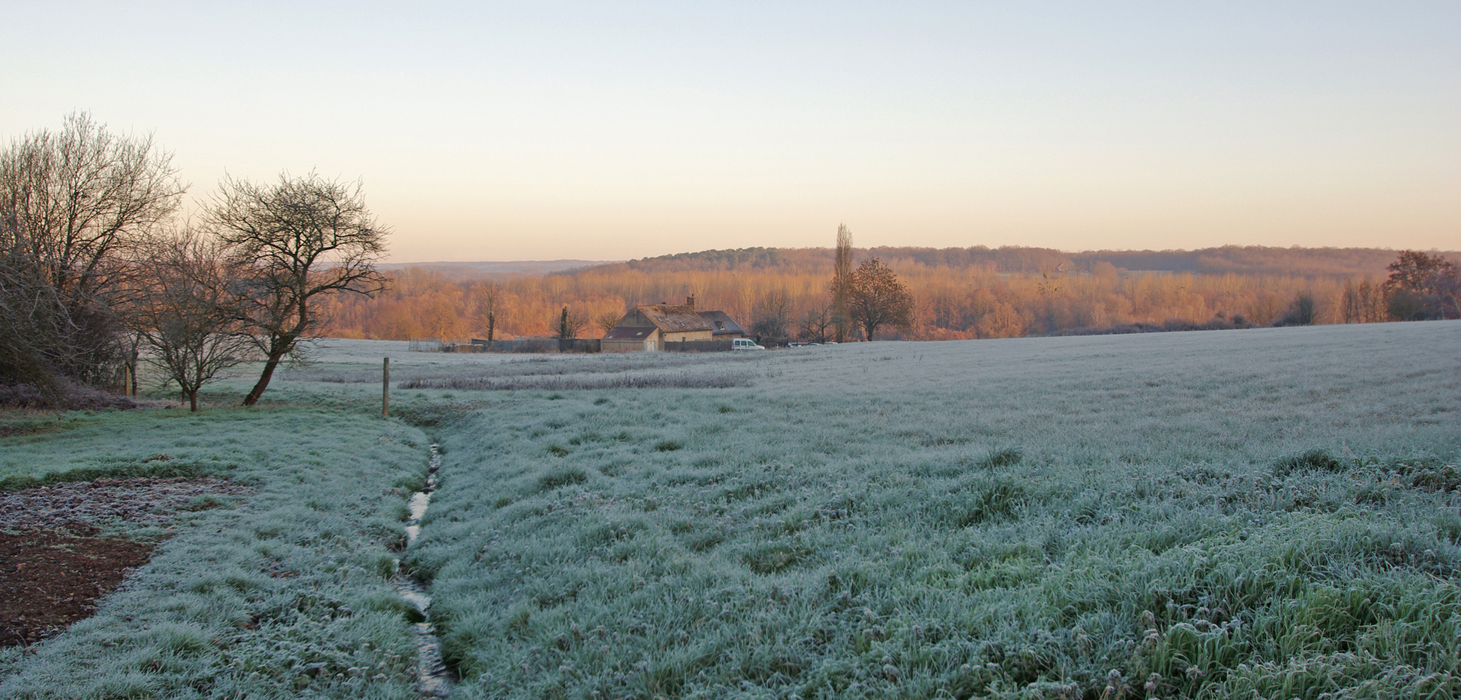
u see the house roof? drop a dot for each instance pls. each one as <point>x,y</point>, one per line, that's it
<point>628,333</point>
<point>675,318</point>
<point>721,323</point>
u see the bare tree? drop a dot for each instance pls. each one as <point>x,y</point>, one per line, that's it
<point>570,324</point>
<point>75,205</point>
<point>1265,308</point>
<point>817,324</point>
<point>298,239</point>
<point>484,309</point>
<point>841,285</point>
<point>771,314</point>
<point>1364,302</point>
<point>876,298</point>
<point>607,320</point>
<point>189,316</point>
<point>35,326</point>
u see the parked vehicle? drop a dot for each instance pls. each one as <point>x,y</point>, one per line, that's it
<point>745,344</point>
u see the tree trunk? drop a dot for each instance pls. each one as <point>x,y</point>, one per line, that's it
<point>193,401</point>
<point>258,390</point>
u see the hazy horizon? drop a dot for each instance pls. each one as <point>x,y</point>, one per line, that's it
<point>578,261</point>
<point>584,131</point>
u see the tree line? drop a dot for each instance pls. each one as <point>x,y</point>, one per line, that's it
<point>779,293</point>
<point>1242,260</point>
<point>98,273</point>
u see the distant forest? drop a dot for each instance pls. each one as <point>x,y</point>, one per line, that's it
<point>976,292</point>
<point>1243,260</point>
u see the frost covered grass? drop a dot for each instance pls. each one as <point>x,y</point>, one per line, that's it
<point>682,380</point>
<point>279,594</point>
<point>496,372</point>
<point>1269,513</point>
<point>1252,513</point>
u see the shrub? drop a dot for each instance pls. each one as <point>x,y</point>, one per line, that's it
<point>1300,312</point>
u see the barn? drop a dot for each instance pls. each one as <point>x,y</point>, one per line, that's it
<point>651,326</point>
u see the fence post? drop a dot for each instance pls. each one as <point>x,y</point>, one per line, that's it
<point>385,388</point>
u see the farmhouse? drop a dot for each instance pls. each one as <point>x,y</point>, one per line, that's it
<point>651,326</point>
<point>726,327</point>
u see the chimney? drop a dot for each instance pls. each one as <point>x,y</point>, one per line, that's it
<point>690,302</point>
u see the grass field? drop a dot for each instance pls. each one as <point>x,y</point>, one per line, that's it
<point>1265,513</point>
<point>279,594</point>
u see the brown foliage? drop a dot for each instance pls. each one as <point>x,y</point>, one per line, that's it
<point>876,298</point>
<point>1423,286</point>
<point>973,298</point>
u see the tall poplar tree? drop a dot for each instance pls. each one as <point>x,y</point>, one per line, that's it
<point>842,283</point>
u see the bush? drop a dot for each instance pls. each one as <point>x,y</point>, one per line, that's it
<point>1300,313</point>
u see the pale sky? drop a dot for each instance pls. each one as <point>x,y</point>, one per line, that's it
<point>616,130</point>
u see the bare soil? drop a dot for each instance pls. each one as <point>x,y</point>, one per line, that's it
<point>52,578</point>
<point>55,561</point>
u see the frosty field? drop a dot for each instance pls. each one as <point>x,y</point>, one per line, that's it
<point>278,594</point>
<point>1194,514</point>
<point>1263,513</point>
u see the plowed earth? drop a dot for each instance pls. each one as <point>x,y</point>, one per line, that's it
<point>54,560</point>
<point>52,578</point>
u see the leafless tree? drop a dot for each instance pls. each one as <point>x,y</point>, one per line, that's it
<point>876,298</point>
<point>75,206</point>
<point>816,324</point>
<point>771,314</point>
<point>189,316</point>
<point>1364,302</point>
<point>35,324</point>
<point>841,284</point>
<point>1265,308</point>
<point>607,320</point>
<point>299,239</point>
<point>484,311</point>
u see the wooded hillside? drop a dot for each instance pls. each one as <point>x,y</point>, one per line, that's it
<point>974,292</point>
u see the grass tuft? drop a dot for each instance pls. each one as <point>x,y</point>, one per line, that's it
<point>774,558</point>
<point>558,478</point>
<point>1313,460</point>
<point>1008,457</point>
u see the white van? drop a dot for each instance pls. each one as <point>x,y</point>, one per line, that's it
<point>745,344</point>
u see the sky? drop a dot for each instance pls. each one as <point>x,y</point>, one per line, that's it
<point>619,130</point>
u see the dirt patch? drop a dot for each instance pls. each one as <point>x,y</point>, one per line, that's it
<point>55,562</point>
<point>51,578</point>
<point>145,500</point>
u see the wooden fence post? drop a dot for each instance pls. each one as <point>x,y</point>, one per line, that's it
<point>385,388</point>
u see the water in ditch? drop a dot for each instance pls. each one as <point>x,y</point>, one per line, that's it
<point>433,678</point>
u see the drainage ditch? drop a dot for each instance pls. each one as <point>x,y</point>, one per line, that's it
<point>433,678</point>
